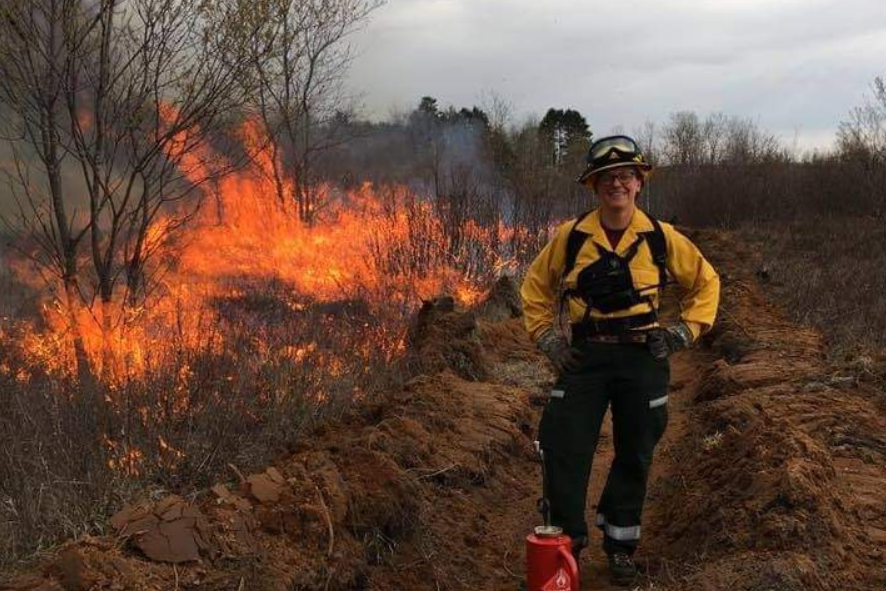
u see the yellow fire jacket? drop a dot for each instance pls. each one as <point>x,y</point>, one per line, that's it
<point>541,287</point>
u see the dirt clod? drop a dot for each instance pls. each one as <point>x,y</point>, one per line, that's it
<point>172,531</point>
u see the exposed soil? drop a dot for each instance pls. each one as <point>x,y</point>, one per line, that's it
<point>770,476</point>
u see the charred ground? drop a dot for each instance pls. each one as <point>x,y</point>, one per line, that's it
<point>770,476</point>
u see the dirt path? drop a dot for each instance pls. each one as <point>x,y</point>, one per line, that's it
<point>770,476</point>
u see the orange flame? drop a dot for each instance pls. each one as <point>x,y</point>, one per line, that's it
<point>383,246</point>
<point>380,250</point>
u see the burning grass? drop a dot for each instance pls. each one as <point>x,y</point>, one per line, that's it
<point>255,325</point>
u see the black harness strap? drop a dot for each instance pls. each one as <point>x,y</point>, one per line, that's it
<point>657,246</point>
<point>574,243</point>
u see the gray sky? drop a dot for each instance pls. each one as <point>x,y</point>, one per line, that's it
<point>795,67</point>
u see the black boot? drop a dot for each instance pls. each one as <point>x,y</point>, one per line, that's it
<point>622,570</point>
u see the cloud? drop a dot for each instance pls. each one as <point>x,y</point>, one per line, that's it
<point>791,64</point>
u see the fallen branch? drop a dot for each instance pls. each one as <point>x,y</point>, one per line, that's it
<point>238,473</point>
<point>328,521</point>
<point>329,527</point>
<point>438,472</point>
<point>504,563</point>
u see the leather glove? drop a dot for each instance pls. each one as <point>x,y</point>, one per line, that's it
<point>663,342</point>
<point>556,347</point>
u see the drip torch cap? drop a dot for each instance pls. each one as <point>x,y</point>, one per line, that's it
<point>548,531</point>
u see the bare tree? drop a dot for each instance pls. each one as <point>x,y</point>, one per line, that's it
<point>682,139</point>
<point>144,102</point>
<point>647,138</point>
<point>861,142</point>
<point>38,47</point>
<point>299,60</point>
<point>748,144</point>
<point>713,138</point>
<point>128,95</point>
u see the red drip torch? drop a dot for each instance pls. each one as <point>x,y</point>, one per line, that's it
<point>549,562</point>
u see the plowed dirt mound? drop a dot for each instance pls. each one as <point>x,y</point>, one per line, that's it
<point>770,476</point>
<point>773,487</point>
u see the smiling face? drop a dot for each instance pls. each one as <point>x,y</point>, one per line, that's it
<point>618,188</point>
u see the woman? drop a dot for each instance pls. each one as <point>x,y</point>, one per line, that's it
<point>608,267</point>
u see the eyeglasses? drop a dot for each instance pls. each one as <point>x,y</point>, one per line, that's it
<point>624,177</point>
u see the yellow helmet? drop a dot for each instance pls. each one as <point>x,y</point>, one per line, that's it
<point>615,151</point>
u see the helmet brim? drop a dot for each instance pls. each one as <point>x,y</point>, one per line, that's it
<point>644,168</point>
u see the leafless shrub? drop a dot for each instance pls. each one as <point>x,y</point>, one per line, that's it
<point>419,239</point>
<point>53,477</point>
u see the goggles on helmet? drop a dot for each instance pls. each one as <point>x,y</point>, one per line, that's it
<point>603,148</point>
<point>614,152</point>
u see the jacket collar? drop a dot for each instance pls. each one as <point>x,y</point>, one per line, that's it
<point>592,226</point>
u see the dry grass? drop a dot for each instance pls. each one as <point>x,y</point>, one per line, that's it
<point>68,461</point>
<point>830,272</point>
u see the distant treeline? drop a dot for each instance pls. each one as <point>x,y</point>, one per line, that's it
<point>713,170</point>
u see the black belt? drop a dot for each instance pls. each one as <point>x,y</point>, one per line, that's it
<point>632,336</point>
<point>610,326</point>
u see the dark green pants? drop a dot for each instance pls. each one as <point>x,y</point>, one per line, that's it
<point>625,378</point>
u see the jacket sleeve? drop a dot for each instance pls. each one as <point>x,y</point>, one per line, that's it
<point>540,286</point>
<point>699,280</point>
